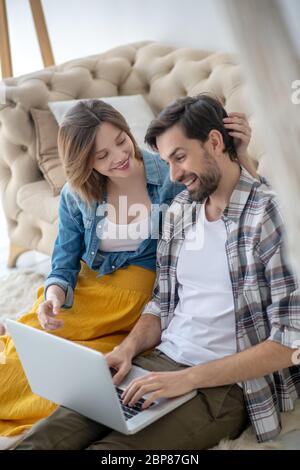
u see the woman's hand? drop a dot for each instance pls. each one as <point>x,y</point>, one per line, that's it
<point>238,127</point>
<point>48,310</point>
<point>46,315</point>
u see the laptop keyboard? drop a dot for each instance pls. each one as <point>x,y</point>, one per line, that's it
<point>131,411</point>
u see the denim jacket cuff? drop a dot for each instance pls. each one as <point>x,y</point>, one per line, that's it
<point>68,290</point>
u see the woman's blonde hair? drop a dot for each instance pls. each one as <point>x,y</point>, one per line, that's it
<point>76,146</point>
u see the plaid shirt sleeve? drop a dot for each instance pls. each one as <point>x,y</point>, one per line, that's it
<point>284,310</point>
<point>153,307</point>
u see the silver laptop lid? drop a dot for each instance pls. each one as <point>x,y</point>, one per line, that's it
<point>68,374</point>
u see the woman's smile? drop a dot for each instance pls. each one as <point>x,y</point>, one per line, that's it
<point>123,166</point>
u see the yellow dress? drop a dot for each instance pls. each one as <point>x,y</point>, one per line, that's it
<point>104,311</point>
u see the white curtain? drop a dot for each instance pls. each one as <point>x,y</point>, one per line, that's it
<point>272,67</point>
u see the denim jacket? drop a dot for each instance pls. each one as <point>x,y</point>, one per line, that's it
<point>79,233</point>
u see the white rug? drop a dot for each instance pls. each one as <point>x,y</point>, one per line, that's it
<point>17,295</point>
<point>289,437</point>
<point>18,292</point>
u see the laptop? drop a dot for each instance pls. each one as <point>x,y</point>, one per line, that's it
<point>79,378</point>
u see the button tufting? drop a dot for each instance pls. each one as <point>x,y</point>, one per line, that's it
<point>38,232</point>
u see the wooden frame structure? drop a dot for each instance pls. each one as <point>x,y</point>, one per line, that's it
<point>41,31</point>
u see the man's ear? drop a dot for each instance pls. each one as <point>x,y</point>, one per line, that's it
<point>215,141</point>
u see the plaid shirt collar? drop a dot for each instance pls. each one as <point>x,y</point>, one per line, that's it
<point>240,196</point>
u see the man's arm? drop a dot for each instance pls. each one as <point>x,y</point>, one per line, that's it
<point>246,161</point>
<point>257,361</point>
<point>147,332</point>
<point>145,335</point>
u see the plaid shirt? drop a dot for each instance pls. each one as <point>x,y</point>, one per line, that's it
<point>266,299</point>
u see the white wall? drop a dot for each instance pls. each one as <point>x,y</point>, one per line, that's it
<point>291,14</point>
<point>82,27</point>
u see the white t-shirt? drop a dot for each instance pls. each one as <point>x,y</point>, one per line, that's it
<point>203,326</point>
<point>124,237</point>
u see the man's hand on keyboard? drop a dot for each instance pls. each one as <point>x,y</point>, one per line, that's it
<point>119,360</point>
<point>157,385</point>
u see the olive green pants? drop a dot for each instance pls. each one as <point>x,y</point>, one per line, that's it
<point>213,414</point>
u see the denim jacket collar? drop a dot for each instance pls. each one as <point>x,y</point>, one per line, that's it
<point>152,170</point>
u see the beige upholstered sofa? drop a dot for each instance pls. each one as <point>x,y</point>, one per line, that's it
<point>159,72</point>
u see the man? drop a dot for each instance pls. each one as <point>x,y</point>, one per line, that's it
<point>225,312</point>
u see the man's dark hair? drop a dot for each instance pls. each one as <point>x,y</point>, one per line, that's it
<point>197,116</point>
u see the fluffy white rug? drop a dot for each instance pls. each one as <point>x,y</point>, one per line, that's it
<point>18,293</point>
<point>290,432</point>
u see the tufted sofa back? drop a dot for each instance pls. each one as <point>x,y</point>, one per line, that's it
<point>161,73</point>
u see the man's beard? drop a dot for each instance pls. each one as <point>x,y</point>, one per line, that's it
<point>207,182</point>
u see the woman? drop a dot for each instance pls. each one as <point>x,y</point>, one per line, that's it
<point>103,262</point>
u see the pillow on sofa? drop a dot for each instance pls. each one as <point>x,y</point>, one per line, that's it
<point>46,130</point>
<point>134,108</point>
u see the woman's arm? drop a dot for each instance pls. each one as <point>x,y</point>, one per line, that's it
<point>246,161</point>
<point>67,250</point>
